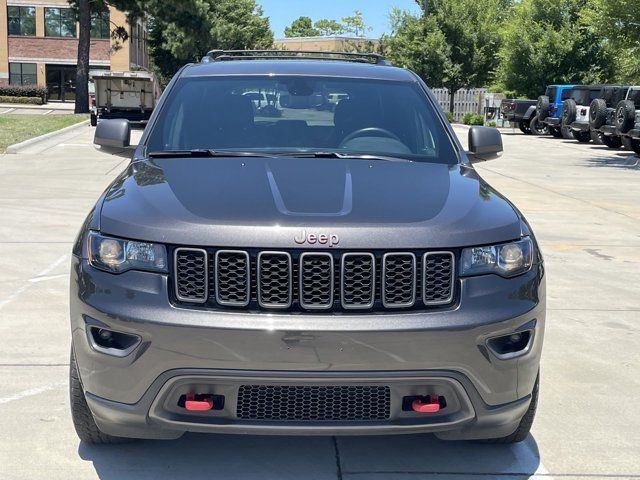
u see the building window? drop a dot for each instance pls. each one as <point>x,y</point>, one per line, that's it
<point>22,74</point>
<point>100,25</point>
<point>22,20</point>
<point>59,22</point>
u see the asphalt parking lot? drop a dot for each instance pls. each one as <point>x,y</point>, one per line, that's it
<point>583,202</point>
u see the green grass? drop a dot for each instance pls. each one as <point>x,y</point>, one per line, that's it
<point>17,128</point>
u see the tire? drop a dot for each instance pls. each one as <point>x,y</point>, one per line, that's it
<point>93,120</point>
<point>524,426</point>
<point>555,132</point>
<point>631,144</point>
<point>542,107</point>
<point>566,133</point>
<point>568,113</point>
<point>625,115</point>
<point>83,421</point>
<point>582,137</point>
<point>524,127</point>
<point>611,141</point>
<point>598,113</point>
<point>537,128</point>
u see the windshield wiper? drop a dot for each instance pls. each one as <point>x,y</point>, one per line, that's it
<point>204,152</point>
<point>344,155</point>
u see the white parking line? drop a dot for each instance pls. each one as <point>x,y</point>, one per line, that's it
<point>31,392</point>
<point>8,110</point>
<point>47,112</point>
<point>27,285</point>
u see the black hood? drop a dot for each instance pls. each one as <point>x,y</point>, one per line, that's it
<point>265,202</point>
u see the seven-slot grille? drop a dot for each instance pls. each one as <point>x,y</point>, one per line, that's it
<point>313,402</point>
<point>313,281</point>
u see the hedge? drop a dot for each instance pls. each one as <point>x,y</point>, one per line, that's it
<point>24,91</point>
<point>24,100</point>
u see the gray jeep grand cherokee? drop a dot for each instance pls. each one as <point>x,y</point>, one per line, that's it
<point>300,245</point>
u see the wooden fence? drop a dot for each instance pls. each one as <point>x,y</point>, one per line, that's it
<point>472,100</point>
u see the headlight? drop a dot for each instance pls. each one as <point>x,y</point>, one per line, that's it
<point>507,259</point>
<point>116,255</point>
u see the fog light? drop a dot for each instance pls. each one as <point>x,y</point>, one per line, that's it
<point>512,345</point>
<point>111,342</point>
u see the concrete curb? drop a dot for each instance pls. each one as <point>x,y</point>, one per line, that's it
<point>15,148</point>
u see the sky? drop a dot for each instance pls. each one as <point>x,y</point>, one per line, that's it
<point>375,12</point>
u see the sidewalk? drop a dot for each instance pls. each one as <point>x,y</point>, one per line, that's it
<point>51,108</point>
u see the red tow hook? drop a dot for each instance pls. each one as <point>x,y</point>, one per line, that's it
<point>193,405</point>
<point>432,406</point>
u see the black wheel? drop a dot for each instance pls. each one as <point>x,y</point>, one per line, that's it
<point>524,127</point>
<point>93,120</point>
<point>625,115</point>
<point>568,113</point>
<point>611,141</point>
<point>525,424</point>
<point>537,127</point>
<point>566,133</point>
<point>582,137</point>
<point>542,107</point>
<point>83,421</point>
<point>556,132</point>
<point>597,113</point>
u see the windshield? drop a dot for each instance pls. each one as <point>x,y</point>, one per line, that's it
<point>296,115</point>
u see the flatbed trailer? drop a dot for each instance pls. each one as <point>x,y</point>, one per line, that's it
<point>129,95</point>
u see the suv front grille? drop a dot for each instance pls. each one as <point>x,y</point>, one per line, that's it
<point>311,281</point>
<point>313,403</point>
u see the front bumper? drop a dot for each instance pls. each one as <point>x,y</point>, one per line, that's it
<point>552,121</point>
<point>406,351</point>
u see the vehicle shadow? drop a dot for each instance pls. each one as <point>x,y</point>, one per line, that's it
<point>251,457</point>
<point>625,160</point>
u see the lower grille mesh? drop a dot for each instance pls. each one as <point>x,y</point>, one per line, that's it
<point>313,403</point>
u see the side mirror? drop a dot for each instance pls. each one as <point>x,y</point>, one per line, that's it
<point>114,136</point>
<point>485,143</point>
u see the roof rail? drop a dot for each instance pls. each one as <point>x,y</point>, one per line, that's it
<point>224,55</point>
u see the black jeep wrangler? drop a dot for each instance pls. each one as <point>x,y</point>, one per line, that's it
<point>602,114</point>
<point>627,119</point>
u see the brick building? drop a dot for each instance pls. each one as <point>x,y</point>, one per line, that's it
<point>38,45</point>
<point>328,44</point>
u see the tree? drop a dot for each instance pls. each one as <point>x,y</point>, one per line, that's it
<point>355,25</point>
<point>454,45</point>
<point>548,41</point>
<point>417,43</point>
<point>82,68</point>
<point>328,27</point>
<point>618,21</point>
<point>301,27</point>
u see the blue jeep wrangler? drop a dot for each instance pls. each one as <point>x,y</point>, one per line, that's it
<point>549,108</point>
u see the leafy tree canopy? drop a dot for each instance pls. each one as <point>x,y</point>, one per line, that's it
<point>355,25</point>
<point>328,27</point>
<point>548,41</point>
<point>301,27</point>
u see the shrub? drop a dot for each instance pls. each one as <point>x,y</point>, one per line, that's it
<point>466,118</point>
<point>492,123</point>
<point>449,116</point>
<point>476,120</point>
<point>24,91</point>
<point>21,100</point>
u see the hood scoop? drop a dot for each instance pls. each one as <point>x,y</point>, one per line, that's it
<point>305,196</point>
